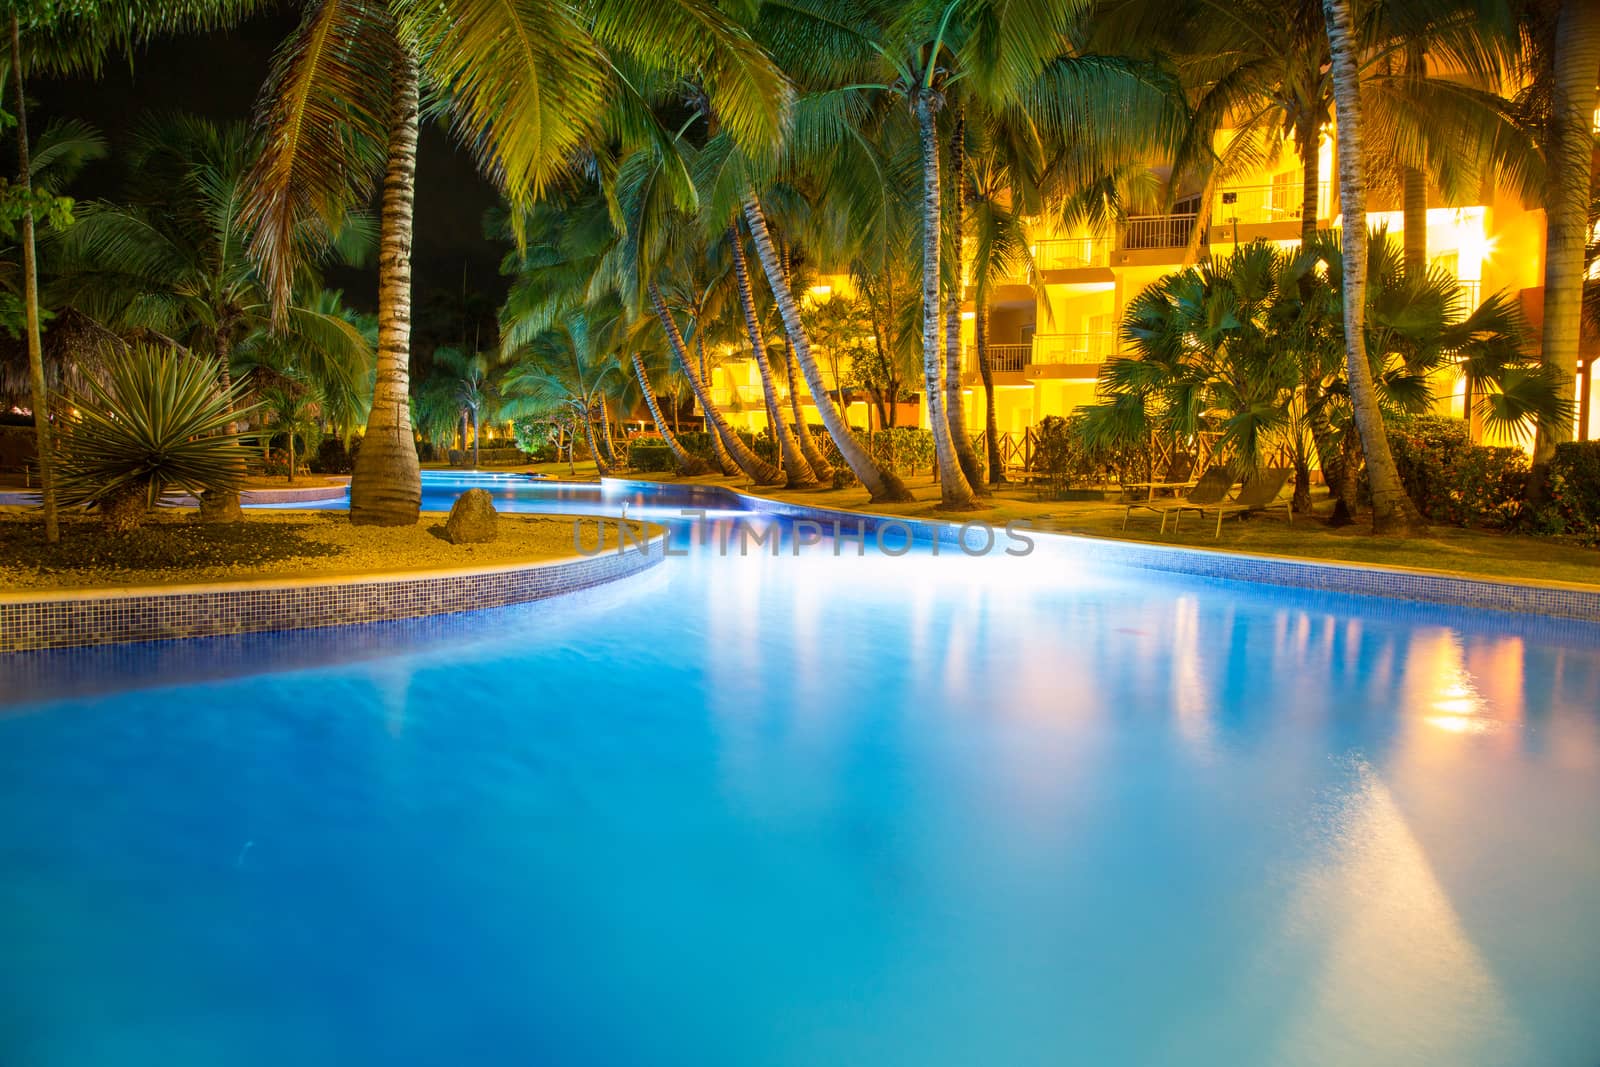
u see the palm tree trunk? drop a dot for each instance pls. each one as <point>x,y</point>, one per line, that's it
<point>601,467</point>
<point>1414,188</point>
<point>30,283</point>
<point>808,446</point>
<point>719,447</point>
<point>1571,160</point>
<point>1307,138</point>
<point>1392,511</point>
<point>954,396</point>
<point>882,485</point>
<point>605,425</point>
<point>386,484</point>
<point>800,475</point>
<point>954,491</point>
<point>759,470</point>
<point>474,438</point>
<point>991,423</point>
<point>290,436</point>
<point>686,464</point>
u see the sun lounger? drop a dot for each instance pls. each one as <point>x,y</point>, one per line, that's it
<point>1261,492</point>
<point>1176,477</point>
<point>1212,488</point>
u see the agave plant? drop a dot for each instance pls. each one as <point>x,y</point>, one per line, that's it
<point>155,423</point>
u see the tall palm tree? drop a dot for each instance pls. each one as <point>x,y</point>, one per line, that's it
<point>1393,512</point>
<point>1575,58</point>
<point>687,464</point>
<point>529,85</point>
<point>467,378</point>
<point>797,471</point>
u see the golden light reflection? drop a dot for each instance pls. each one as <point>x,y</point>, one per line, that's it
<point>1398,968</point>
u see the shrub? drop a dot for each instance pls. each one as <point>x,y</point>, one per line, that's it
<point>1573,507</point>
<point>1425,448</point>
<point>650,456</point>
<point>156,425</point>
<point>1065,457</point>
<point>1454,481</point>
<point>275,464</point>
<point>903,449</point>
<point>332,457</point>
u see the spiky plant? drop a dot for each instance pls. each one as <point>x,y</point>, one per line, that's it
<point>156,423</point>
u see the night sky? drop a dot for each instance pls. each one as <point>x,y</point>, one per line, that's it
<point>219,76</point>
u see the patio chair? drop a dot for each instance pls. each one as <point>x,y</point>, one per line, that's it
<point>1177,476</point>
<point>1212,488</point>
<point>1262,491</point>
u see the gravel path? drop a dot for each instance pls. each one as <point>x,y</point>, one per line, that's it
<point>174,549</point>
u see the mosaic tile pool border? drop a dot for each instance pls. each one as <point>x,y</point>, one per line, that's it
<point>76,619</point>
<point>310,494</point>
<point>1556,600</point>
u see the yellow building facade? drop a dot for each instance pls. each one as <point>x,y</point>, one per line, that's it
<point>1050,332</point>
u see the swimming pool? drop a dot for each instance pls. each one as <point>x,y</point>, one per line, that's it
<point>814,809</point>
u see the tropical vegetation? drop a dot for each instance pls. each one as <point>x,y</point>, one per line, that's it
<point>676,174</point>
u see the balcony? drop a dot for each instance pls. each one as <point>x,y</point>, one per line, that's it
<point>1071,253</point>
<point>1009,358</point>
<point>1250,205</point>
<point>1145,232</point>
<point>1074,348</point>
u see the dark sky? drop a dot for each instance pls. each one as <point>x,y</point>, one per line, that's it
<point>219,76</point>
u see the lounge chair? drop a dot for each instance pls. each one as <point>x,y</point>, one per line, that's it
<point>1262,491</point>
<point>1177,476</point>
<point>1212,488</point>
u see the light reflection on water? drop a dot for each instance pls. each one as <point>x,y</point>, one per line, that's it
<point>797,810</point>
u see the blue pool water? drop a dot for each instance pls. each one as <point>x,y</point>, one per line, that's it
<point>814,810</point>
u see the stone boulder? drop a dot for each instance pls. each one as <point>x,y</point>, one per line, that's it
<point>473,519</point>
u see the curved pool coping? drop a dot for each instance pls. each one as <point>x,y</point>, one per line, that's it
<point>309,494</point>
<point>47,619</point>
<point>1564,600</point>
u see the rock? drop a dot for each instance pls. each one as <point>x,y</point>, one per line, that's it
<point>220,506</point>
<point>473,519</point>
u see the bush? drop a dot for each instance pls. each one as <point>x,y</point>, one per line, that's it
<point>1454,481</point>
<point>1064,459</point>
<point>157,424</point>
<point>651,456</point>
<point>1573,507</point>
<point>1425,447</point>
<point>903,449</point>
<point>332,457</point>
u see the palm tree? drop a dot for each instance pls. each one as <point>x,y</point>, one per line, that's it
<point>798,472</point>
<point>566,368</point>
<point>467,379</point>
<point>688,465</point>
<point>44,37</point>
<point>1576,56</point>
<point>171,262</point>
<point>1392,510</point>
<point>529,85</point>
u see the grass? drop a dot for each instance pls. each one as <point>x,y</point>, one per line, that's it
<point>174,549</point>
<point>1446,548</point>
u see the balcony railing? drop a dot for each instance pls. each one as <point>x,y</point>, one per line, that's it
<point>1057,348</point>
<point>1009,357</point>
<point>1068,253</point>
<point>1471,293</point>
<point>1264,203</point>
<point>1157,231</point>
